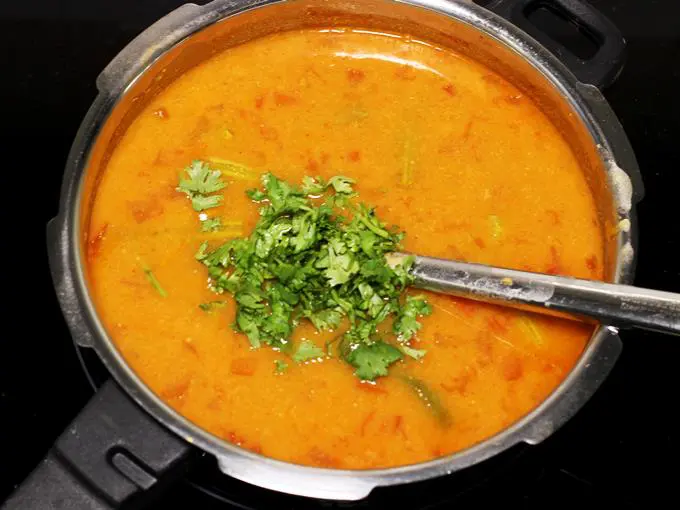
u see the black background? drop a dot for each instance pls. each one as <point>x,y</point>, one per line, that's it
<point>623,448</point>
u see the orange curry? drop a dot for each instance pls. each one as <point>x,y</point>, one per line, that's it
<point>444,148</point>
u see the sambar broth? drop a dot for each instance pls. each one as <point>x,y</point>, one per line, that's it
<point>449,151</point>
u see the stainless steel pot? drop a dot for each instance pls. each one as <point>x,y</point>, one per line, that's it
<point>114,451</point>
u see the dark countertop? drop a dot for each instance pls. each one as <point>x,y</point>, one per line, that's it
<point>622,448</point>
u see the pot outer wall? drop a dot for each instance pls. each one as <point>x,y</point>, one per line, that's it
<point>615,448</point>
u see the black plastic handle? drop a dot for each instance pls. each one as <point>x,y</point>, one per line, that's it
<point>603,67</point>
<point>113,455</point>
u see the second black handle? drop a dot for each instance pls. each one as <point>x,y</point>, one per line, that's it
<point>603,67</point>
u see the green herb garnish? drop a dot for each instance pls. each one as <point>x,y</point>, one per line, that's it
<point>211,225</point>
<point>211,305</point>
<point>372,360</point>
<point>407,324</point>
<point>154,282</point>
<point>198,181</point>
<point>280,366</point>
<point>203,202</point>
<point>316,255</point>
<point>307,351</point>
<point>414,353</point>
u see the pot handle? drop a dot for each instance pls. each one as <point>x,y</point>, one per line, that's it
<point>603,67</point>
<point>112,454</point>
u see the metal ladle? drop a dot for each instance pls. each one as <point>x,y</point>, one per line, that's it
<point>619,306</point>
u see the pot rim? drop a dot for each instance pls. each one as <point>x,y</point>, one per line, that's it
<point>68,272</point>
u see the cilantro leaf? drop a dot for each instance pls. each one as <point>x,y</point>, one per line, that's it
<point>370,221</point>
<point>341,184</point>
<point>251,298</point>
<point>247,323</point>
<point>304,228</point>
<point>341,263</point>
<point>373,360</point>
<point>414,353</point>
<point>211,225</point>
<point>202,251</point>
<point>280,366</point>
<point>406,325</point>
<point>316,186</point>
<point>373,303</point>
<point>283,196</point>
<point>306,351</point>
<point>327,319</point>
<point>203,202</point>
<point>313,185</point>
<point>197,182</point>
<point>211,305</point>
<point>256,195</point>
<point>200,179</point>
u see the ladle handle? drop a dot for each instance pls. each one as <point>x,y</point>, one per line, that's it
<point>612,304</point>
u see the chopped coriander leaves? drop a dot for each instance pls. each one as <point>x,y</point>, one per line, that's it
<point>414,353</point>
<point>313,185</point>
<point>211,305</point>
<point>406,325</point>
<point>372,360</point>
<point>341,184</point>
<point>248,323</point>
<point>316,186</point>
<point>327,319</point>
<point>202,251</point>
<point>203,202</point>
<point>256,195</point>
<point>316,256</point>
<point>341,264</point>
<point>211,225</point>
<point>307,351</point>
<point>367,217</point>
<point>198,181</point>
<point>280,366</point>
